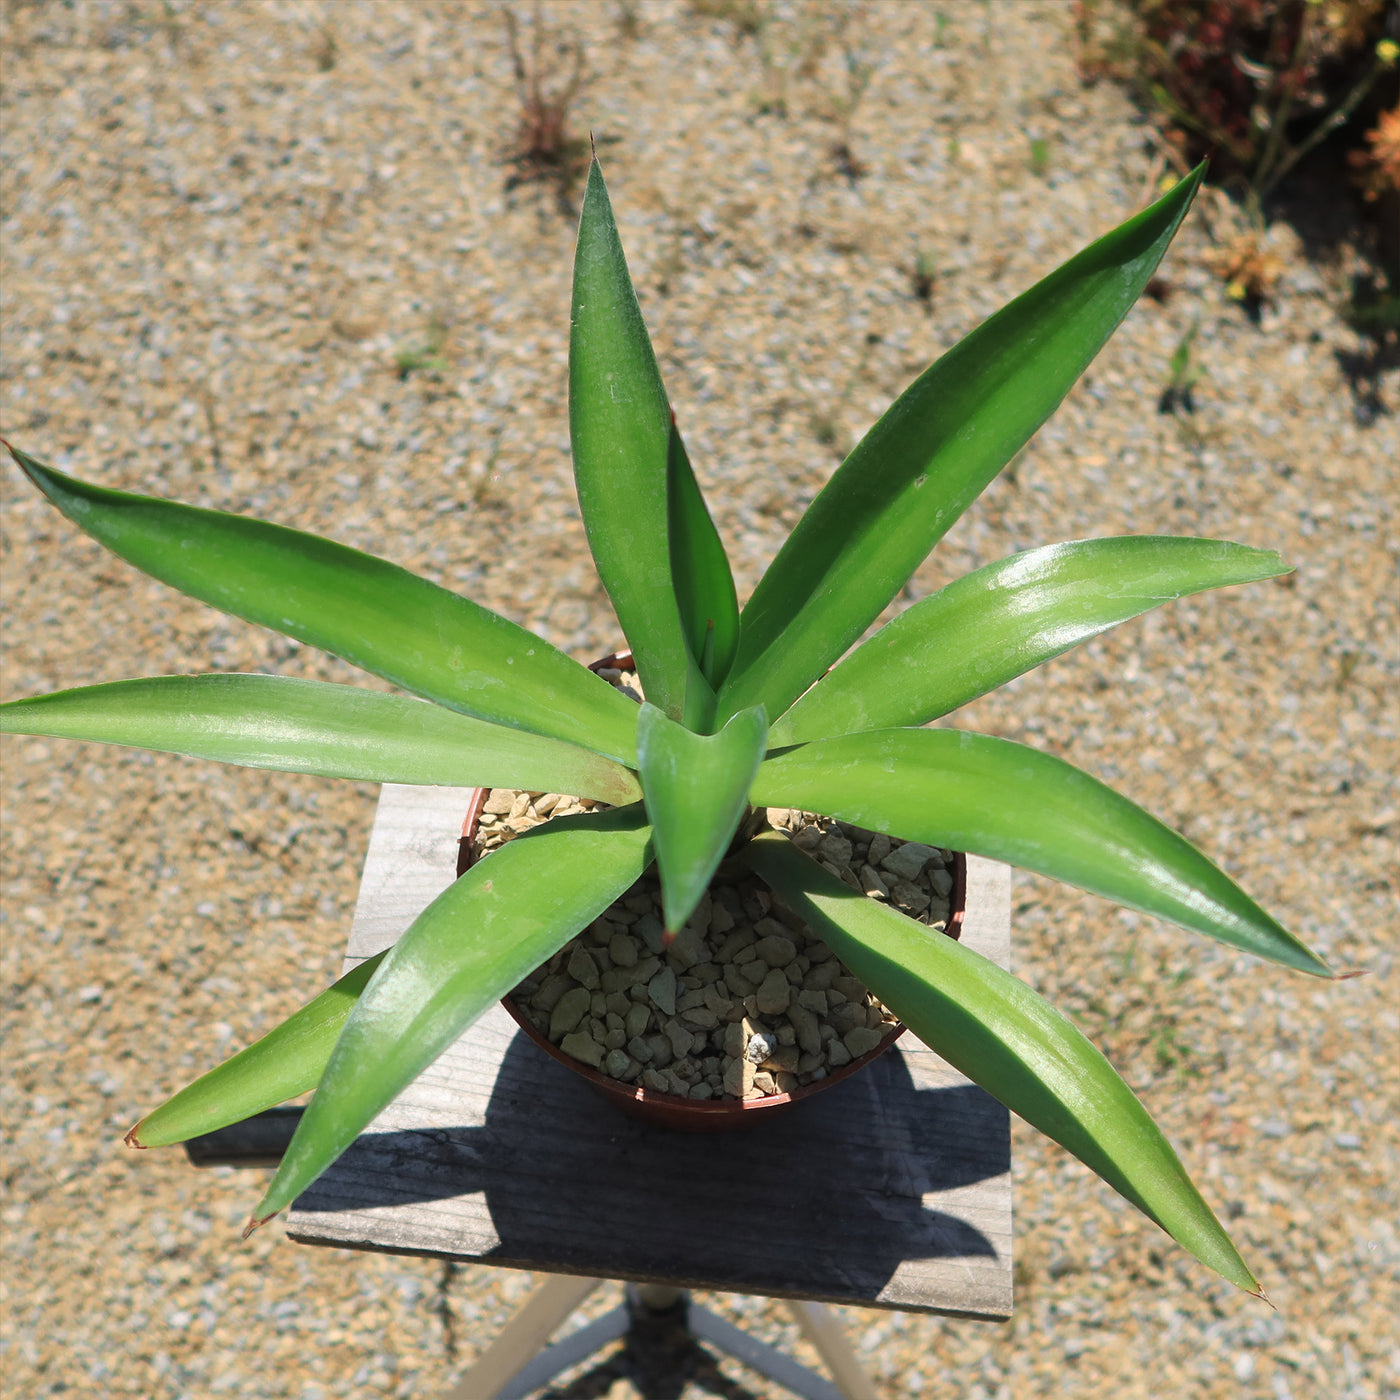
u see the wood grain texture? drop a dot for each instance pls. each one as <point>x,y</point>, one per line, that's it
<point>892,1190</point>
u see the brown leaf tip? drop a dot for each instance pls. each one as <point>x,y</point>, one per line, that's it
<point>20,460</point>
<point>254,1223</point>
<point>132,1139</point>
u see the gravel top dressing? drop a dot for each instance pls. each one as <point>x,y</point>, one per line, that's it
<point>263,258</point>
<point>746,1002</point>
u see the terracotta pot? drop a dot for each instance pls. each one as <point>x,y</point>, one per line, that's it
<point>670,1110</point>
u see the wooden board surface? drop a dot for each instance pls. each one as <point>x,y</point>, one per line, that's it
<point>893,1189</point>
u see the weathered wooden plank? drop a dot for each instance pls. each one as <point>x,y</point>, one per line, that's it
<point>892,1189</point>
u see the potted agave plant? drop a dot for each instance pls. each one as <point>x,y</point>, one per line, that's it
<point>743,709</point>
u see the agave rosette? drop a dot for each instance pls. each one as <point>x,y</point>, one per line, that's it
<point>744,707</point>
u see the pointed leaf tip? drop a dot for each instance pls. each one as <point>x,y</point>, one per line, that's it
<point>255,1222</point>
<point>131,1139</point>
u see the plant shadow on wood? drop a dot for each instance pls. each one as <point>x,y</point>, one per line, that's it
<point>572,1184</point>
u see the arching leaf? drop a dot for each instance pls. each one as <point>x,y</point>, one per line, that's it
<point>1002,620</point>
<point>930,455</point>
<point>371,613</point>
<point>621,429</point>
<point>303,726</point>
<point>1019,1048</point>
<point>469,947</point>
<point>1012,803</point>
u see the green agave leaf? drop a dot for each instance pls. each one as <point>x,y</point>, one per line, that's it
<point>927,459</point>
<point>1003,620</point>
<point>700,568</point>
<point>621,429</point>
<point>1019,1048</point>
<point>287,1061</point>
<point>336,731</point>
<point>696,788</point>
<point>1015,804</point>
<point>373,614</point>
<point>471,945</point>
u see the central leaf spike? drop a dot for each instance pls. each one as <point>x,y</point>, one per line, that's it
<point>696,788</point>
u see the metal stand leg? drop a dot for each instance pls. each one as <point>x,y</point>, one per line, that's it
<point>819,1325</point>
<point>660,1325</point>
<point>508,1358</point>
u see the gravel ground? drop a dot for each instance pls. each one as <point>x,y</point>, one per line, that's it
<point>229,226</point>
